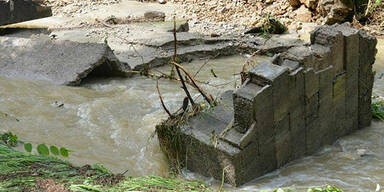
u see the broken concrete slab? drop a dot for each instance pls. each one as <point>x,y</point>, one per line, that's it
<point>14,11</point>
<point>59,62</point>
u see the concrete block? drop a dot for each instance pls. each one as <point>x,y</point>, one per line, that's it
<point>339,103</point>
<point>266,73</point>
<point>243,99</point>
<point>292,65</point>
<point>297,132</point>
<point>264,114</point>
<point>367,49</point>
<point>301,54</point>
<point>367,58</point>
<point>280,96</point>
<point>311,81</point>
<point>326,77</point>
<point>296,87</point>
<point>365,100</point>
<point>267,151</point>
<point>351,40</point>
<point>329,36</point>
<point>322,57</point>
<point>312,108</point>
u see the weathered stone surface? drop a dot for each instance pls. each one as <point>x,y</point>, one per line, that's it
<point>301,54</point>
<point>263,114</point>
<point>59,62</point>
<point>309,97</point>
<point>292,65</point>
<point>311,4</point>
<point>322,55</point>
<point>303,14</point>
<point>154,15</point>
<point>352,55</point>
<point>335,11</point>
<point>266,73</point>
<point>243,106</point>
<point>334,39</point>
<point>14,11</point>
<point>339,103</point>
<point>283,141</point>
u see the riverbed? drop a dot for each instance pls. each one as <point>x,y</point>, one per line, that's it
<point>112,122</point>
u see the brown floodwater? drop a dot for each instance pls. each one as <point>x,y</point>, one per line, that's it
<point>111,121</point>
<point>108,121</point>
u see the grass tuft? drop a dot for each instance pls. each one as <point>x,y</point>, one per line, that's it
<point>378,109</point>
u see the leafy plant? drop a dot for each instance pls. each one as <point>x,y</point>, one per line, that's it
<point>42,149</point>
<point>64,152</point>
<point>9,139</point>
<point>378,110</point>
<point>326,189</point>
<point>28,147</point>
<point>54,150</point>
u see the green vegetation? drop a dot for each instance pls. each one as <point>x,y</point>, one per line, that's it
<point>378,110</point>
<point>268,25</point>
<point>11,140</point>
<point>26,172</point>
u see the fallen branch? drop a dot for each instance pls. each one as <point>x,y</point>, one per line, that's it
<point>208,99</point>
<point>177,68</point>
<point>161,99</point>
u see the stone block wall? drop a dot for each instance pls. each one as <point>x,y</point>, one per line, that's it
<point>307,97</point>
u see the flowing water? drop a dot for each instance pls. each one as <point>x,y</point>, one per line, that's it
<point>111,121</point>
<point>106,121</point>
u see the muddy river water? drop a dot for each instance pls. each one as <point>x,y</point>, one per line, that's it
<point>111,121</point>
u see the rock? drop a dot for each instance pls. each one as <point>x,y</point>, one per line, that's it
<point>335,11</point>
<point>21,11</point>
<point>59,62</point>
<point>181,26</point>
<point>310,4</point>
<point>294,3</point>
<point>215,35</point>
<point>303,14</point>
<point>268,25</point>
<point>154,16</point>
<point>364,153</point>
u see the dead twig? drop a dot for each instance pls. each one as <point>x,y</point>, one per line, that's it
<point>208,99</point>
<point>161,100</point>
<point>205,63</point>
<point>177,68</point>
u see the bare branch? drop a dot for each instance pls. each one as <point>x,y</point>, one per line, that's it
<point>208,99</point>
<point>161,100</point>
<point>177,68</point>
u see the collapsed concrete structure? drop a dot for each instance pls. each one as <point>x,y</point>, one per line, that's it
<point>305,98</point>
<point>58,62</point>
<point>14,11</point>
